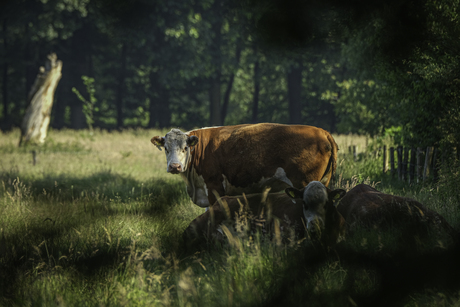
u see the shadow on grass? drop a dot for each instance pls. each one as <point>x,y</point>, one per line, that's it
<point>91,199</point>
<point>398,276</point>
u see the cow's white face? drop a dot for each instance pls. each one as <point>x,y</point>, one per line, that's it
<point>314,206</point>
<point>177,148</point>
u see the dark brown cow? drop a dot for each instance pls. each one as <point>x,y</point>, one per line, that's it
<point>233,160</point>
<point>246,213</point>
<point>311,208</point>
<point>364,206</point>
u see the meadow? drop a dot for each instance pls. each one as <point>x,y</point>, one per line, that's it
<point>97,221</point>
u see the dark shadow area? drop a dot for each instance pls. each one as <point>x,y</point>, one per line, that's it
<point>399,275</point>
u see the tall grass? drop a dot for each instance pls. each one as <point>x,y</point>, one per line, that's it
<point>98,222</point>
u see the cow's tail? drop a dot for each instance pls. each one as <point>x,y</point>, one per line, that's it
<point>329,174</point>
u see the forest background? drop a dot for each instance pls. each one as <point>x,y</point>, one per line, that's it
<point>375,68</point>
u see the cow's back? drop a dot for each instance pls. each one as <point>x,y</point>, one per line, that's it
<point>366,206</point>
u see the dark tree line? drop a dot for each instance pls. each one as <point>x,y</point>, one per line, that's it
<point>355,66</point>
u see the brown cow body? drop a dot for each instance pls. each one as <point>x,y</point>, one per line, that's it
<point>364,206</point>
<point>233,160</point>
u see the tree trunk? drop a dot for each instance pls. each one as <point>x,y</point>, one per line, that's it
<point>164,119</point>
<point>214,100</point>
<point>214,89</point>
<point>5,75</point>
<point>255,97</point>
<point>230,84</point>
<point>120,90</point>
<point>37,117</point>
<point>294,82</point>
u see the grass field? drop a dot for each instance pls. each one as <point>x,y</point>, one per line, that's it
<point>98,222</point>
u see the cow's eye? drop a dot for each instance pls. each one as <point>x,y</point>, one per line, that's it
<point>185,148</point>
<point>166,150</point>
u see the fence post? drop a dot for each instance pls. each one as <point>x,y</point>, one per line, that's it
<point>419,164</point>
<point>427,168</point>
<point>392,161</point>
<point>435,164</point>
<point>385,159</point>
<point>405,164</point>
<point>354,152</point>
<point>412,164</point>
<point>399,155</point>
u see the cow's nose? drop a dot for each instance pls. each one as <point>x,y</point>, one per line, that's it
<point>175,168</point>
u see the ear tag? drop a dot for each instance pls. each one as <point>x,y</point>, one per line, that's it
<point>291,193</point>
<point>337,196</point>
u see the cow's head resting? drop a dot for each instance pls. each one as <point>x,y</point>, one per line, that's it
<point>177,147</point>
<point>318,204</point>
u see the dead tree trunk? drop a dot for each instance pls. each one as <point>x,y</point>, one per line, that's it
<point>40,101</point>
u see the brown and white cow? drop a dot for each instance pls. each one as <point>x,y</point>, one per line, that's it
<point>312,209</point>
<point>233,160</point>
<point>364,206</point>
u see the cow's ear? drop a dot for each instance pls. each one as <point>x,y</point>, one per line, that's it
<point>293,192</point>
<point>336,195</point>
<point>158,141</point>
<point>192,140</point>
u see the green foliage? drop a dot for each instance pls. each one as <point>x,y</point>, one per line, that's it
<point>88,105</point>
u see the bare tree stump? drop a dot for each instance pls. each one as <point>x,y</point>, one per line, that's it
<point>40,101</point>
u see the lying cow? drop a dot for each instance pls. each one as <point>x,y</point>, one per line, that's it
<point>311,208</point>
<point>243,214</point>
<point>233,160</point>
<point>364,206</point>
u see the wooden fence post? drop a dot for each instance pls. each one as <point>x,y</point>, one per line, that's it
<point>399,155</point>
<point>434,164</point>
<point>412,164</point>
<point>405,163</point>
<point>354,152</point>
<point>419,164</point>
<point>392,161</point>
<point>427,168</point>
<point>385,159</point>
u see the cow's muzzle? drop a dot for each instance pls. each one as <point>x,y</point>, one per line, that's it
<point>315,229</point>
<point>175,168</point>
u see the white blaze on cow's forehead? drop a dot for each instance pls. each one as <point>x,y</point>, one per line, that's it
<point>315,193</point>
<point>175,138</point>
